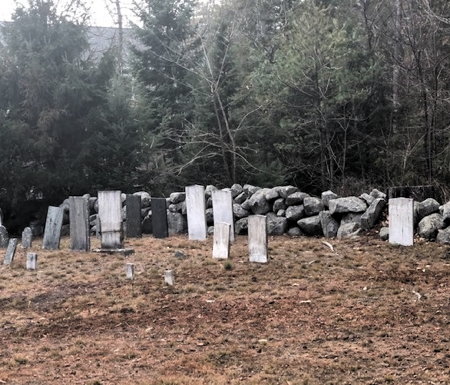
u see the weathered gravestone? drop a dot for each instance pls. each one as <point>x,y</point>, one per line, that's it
<point>10,251</point>
<point>257,238</point>
<point>4,237</point>
<point>196,213</point>
<point>32,261</point>
<point>130,270</point>
<point>79,224</point>
<point>223,209</point>
<point>134,224</point>
<point>401,221</point>
<point>159,218</point>
<point>169,277</point>
<point>110,214</point>
<point>221,243</point>
<point>52,232</point>
<point>27,238</point>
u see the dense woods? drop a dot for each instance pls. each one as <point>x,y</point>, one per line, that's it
<point>321,94</point>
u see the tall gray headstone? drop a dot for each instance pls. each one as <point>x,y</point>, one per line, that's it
<point>27,238</point>
<point>10,251</point>
<point>110,214</point>
<point>196,212</point>
<point>221,243</point>
<point>134,223</point>
<point>79,224</point>
<point>160,226</point>
<point>4,237</point>
<point>223,209</point>
<point>257,238</point>
<point>401,221</point>
<point>32,261</point>
<point>52,232</point>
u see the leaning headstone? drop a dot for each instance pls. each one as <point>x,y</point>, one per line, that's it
<point>257,238</point>
<point>221,243</point>
<point>79,224</point>
<point>110,214</point>
<point>4,237</point>
<point>401,221</point>
<point>169,277</point>
<point>196,208</point>
<point>32,261</point>
<point>159,218</point>
<point>27,238</point>
<point>10,251</point>
<point>52,232</point>
<point>223,209</point>
<point>130,270</point>
<point>134,224</point>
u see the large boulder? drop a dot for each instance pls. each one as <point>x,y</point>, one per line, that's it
<point>444,236</point>
<point>377,194</point>
<point>279,205</point>
<point>329,225</point>
<point>4,237</point>
<point>426,207</point>
<point>276,225</point>
<point>348,230</point>
<point>312,205</point>
<point>351,218</point>
<point>176,222</point>
<point>241,198</point>
<point>239,212</point>
<point>294,232</point>
<point>241,226</point>
<point>285,191</point>
<point>145,198</point>
<point>296,198</point>
<point>429,226</point>
<point>272,194</point>
<point>258,203</point>
<point>281,213</point>
<point>209,189</point>
<point>371,215</point>
<point>294,213</point>
<point>367,198</point>
<point>327,196</point>
<point>311,225</point>
<point>177,197</point>
<point>347,205</point>
<point>446,212</point>
<point>236,190</point>
<point>384,233</point>
<point>250,189</point>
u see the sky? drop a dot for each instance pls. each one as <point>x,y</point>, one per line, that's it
<point>99,13</point>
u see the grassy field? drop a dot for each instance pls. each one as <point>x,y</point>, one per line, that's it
<point>365,313</point>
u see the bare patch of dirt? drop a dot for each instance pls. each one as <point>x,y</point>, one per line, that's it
<point>367,313</point>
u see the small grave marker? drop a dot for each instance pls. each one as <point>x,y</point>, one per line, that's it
<point>10,251</point>
<point>169,277</point>
<point>130,270</point>
<point>221,244</point>
<point>257,238</point>
<point>27,238</point>
<point>32,261</point>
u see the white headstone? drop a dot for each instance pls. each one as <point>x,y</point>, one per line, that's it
<point>223,209</point>
<point>130,270</point>
<point>10,251</point>
<point>32,261</point>
<point>110,214</point>
<point>27,238</point>
<point>221,244</point>
<point>169,277</point>
<point>52,233</point>
<point>401,221</point>
<point>196,212</point>
<point>79,224</point>
<point>257,238</point>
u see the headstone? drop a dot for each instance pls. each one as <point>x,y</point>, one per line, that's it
<point>223,209</point>
<point>27,238</point>
<point>257,238</point>
<point>130,270</point>
<point>32,261</point>
<point>169,277</point>
<point>10,251</point>
<point>134,224</point>
<point>4,237</point>
<point>221,244</point>
<point>52,232</point>
<point>110,214</point>
<point>159,218</point>
<point>79,224</point>
<point>196,209</point>
<point>401,221</point>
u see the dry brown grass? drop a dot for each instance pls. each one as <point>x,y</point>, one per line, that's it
<point>310,316</point>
